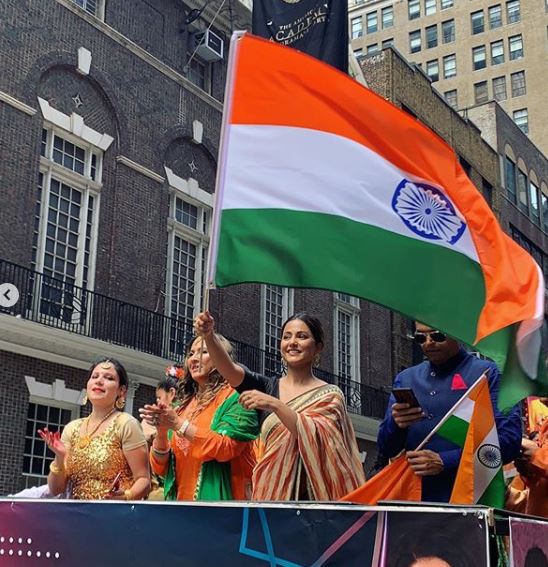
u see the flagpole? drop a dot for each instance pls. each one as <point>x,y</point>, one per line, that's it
<point>209,280</point>
<point>449,413</point>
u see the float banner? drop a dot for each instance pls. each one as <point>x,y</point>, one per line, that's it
<point>316,27</point>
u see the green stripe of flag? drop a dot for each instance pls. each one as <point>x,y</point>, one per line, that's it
<point>454,430</point>
<point>494,494</point>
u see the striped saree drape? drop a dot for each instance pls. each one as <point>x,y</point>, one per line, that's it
<point>321,463</point>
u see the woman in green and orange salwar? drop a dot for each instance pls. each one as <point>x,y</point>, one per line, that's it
<point>211,448</point>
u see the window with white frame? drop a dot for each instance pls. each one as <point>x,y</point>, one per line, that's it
<point>414,9</point>
<point>446,4</point>
<point>516,47</point>
<point>36,456</point>
<point>479,58</point>
<point>448,31</point>
<point>415,41</point>
<point>477,21</point>
<point>66,214</point>
<point>188,243</point>
<point>371,22</point>
<point>499,88</point>
<point>513,11</point>
<point>387,17</point>
<point>93,7</point>
<point>521,118</point>
<point>517,80</point>
<point>495,16</point>
<point>430,7</point>
<point>497,52</point>
<point>433,70</point>
<point>347,346</point>
<point>356,27</point>
<point>431,33</point>
<point>451,97</point>
<point>277,304</point>
<point>449,66</point>
<point>481,92</point>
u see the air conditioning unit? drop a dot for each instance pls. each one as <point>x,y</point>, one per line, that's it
<point>208,45</point>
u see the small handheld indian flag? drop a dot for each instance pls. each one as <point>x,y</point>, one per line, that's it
<point>471,426</point>
<point>324,184</point>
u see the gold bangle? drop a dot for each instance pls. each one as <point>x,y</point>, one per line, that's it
<point>56,469</point>
<point>128,494</point>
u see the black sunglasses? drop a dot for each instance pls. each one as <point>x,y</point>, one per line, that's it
<point>436,336</point>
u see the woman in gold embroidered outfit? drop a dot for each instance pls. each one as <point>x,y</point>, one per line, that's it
<point>307,448</point>
<point>105,454</point>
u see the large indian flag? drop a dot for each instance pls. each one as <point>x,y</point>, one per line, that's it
<point>471,426</point>
<point>324,184</point>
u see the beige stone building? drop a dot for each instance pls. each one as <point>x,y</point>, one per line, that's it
<point>473,50</point>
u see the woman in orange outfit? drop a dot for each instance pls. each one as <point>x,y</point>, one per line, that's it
<point>212,440</point>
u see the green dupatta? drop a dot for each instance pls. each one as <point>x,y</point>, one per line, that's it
<point>230,419</point>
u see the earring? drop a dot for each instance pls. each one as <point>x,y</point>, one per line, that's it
<point>120,403</point>
<point>316,361</point>
<point>283,364</point>
<point>84,400</point>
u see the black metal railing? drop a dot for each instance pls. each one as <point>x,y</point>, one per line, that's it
<point>63,305</point>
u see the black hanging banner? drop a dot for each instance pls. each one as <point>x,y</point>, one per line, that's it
<point>316,27</point>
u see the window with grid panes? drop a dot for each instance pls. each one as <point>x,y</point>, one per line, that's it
<point>517,81</point>
<point>371,22</point>
<point>481,93</point>
<point>187,255</point>
<point>347,321</point>
<point>495,16</point>
<point>513,12</point>
<point>91,6</point>
<point>444,4</point>
<point>387,17</point>
<point>430,7</point>
<point>433,70</point>
<point>499,88</point>
<point>448,31</point>
<point>497,52</point>
<point>516,47</point>
<point>198,72</point>
<point>522,190</point>
<point>65,223</point>
<point>277,303</point>
<point>414,9</point>
<point>479,58</point>
<point>431,37</point>
<point>36,456</point>
<point>415,41</point>
<point>533,200</point>
<point>510,178</point>
<point>449,66</point>
<point>356,27</point>
<point>521,119</point>
<point>451,97</point>
<point>477,21</point>
<point>544,206</point>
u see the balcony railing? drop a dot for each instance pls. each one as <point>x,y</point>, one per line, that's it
<point>63,305</point>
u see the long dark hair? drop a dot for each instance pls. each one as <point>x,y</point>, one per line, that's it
<point>120,370</point>
<point>187,388</point>
<point>313,323</point>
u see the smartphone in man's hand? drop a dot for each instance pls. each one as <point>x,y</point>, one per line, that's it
<point>406,396</point>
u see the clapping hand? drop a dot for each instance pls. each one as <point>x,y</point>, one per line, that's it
<point>54,443</point>
<point>159,415</point>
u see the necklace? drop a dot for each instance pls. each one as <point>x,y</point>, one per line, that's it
<point>86,439</point>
